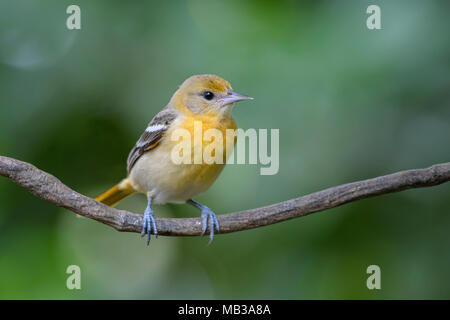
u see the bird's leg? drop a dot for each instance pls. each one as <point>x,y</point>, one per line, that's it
<point>149,222</point>
<point>206,214</point>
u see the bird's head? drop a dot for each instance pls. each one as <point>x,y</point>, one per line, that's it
<point>206,93</point>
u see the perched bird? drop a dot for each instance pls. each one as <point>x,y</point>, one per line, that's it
<point>207,99</point>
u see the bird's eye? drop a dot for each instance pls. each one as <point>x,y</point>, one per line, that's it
<point>208,95</point>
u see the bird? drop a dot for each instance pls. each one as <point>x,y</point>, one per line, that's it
<point>204,99</point>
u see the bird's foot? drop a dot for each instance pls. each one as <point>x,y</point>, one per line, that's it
<point>207,214</point>
<point>149,224</point>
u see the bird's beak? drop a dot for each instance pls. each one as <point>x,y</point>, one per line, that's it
<point>232,97</point>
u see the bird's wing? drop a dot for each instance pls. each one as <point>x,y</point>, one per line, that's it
<point>151,136</point>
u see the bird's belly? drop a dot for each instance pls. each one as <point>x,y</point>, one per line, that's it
<point>165,181</point>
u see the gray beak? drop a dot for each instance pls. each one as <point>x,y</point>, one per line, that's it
<point>232,97</point>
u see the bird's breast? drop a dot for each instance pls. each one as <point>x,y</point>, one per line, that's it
<point>207,134</point>
<point>167,179</point>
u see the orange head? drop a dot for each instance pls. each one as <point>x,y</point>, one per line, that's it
<point>206,93</point>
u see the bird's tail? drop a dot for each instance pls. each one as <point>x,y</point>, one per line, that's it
<point>115,194</point>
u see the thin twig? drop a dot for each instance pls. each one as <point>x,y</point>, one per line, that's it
<point>47,187</point>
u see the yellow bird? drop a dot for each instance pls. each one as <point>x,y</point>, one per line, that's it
<point>205,99</point>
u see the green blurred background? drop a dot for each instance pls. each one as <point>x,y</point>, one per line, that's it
<point>350,104</point>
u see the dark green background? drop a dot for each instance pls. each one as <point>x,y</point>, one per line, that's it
<point>350,104</point>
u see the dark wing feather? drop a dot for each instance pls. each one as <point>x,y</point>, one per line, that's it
<point>151,136</point>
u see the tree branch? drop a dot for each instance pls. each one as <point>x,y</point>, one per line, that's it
<point>47,187</point>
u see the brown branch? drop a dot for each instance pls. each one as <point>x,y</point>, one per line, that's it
<point>47,187</point>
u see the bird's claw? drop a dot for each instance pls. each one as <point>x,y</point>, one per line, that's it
<point>207,214</point>
<point>148,224</point>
